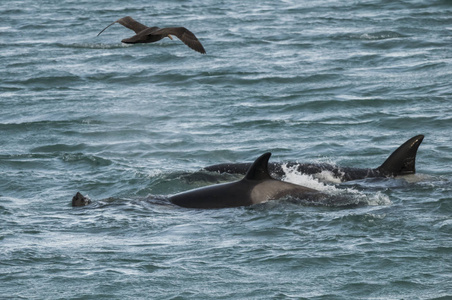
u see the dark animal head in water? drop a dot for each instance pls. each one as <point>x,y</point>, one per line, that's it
<point>80,200</point>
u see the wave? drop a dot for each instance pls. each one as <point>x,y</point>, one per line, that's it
<point>88,158</point>
<point>381,35</point>
<point>378,35</point>
<point>67,153</point>
<point>45,79</point>
<point>93,45</point>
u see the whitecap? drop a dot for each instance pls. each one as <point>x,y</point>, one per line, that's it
<point>355,196</point>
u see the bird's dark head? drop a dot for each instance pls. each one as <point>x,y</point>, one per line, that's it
<point>127,41</point>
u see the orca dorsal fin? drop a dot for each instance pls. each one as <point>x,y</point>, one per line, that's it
<point>402,161</point>
<point>259,169</point>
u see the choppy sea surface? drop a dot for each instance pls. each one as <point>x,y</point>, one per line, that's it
<point>311,81</point>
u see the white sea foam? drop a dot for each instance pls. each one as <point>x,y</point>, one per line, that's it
<point>294,176</point>
<point>327,176</point>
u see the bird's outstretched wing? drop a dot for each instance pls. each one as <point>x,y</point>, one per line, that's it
<point>128,22</point>
<point>185,35</point>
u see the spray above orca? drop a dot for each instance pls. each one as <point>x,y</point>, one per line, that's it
<point>400,162</point>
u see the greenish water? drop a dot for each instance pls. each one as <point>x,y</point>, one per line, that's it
<point>325,81</point>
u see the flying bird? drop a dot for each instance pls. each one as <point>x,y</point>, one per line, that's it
<point>146,34</point>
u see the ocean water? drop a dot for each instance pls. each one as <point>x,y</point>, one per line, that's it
<point>310,81</point>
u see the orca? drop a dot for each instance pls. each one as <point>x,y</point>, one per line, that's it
<point>256,187</point>
<point>400,162</point>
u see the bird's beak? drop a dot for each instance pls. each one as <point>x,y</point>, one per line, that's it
<point>169,35</point>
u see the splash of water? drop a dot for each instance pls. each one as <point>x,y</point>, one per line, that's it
<point>352,195</point>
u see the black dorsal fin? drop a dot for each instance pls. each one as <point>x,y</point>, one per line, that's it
<point>259,169</point>
<point>402,161</point>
